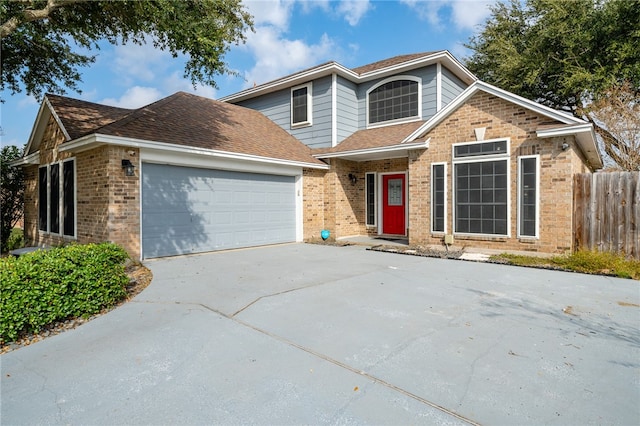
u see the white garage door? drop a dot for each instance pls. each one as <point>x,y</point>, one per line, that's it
<point>192,210</point>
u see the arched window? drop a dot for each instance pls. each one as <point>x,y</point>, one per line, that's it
<point>394,100</point>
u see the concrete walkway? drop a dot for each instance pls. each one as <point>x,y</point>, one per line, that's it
<point>305,334</point>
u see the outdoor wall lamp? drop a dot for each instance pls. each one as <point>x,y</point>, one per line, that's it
<point>128,168</point>
<point>353,178</point>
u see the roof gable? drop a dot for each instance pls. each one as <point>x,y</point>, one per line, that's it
<point>191,121</point>
<point>375,70</point>
<point>569,125</point>
<point>74,117</point>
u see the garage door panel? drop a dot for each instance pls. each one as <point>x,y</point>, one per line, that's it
<point>190,210</point>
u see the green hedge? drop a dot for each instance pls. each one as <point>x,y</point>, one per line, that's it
<point>42,287</point>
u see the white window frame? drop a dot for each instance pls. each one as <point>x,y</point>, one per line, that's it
<point>375,200</point>
<point>60,199</point>
<point>309,121</point>
<point>398,120</point>
<point>519,213</point>
<point>481,159</point>
<point>444,163</point>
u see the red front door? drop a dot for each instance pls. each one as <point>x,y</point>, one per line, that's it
<point>393,204</point>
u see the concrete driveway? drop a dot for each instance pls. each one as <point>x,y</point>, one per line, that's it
<point>307,334</point>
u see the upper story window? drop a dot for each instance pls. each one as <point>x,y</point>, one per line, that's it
<point>301,111</point>
<point>397,99</point>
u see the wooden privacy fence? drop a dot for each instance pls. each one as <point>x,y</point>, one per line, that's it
<point>607,212</point>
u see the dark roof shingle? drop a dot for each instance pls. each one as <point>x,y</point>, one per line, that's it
<point>389,62</point>
<point>81,117</point>
<point>193,121</point>
<point>378,137</point>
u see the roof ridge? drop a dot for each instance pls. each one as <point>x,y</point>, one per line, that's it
<point>137,113</point>
<point>394,60</point>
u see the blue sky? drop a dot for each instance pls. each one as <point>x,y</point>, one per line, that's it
<point>289,36</point>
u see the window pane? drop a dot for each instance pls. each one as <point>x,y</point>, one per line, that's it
<point>476,149</point>
<point>299,105</point>
<point>527,190</point>
<point>371,199</point>
<point>481,201</point>
<point>393,100</point>
<point>69,195</point>
<point>54,198</point>
<point>438,197</point>
<point>42,199</point>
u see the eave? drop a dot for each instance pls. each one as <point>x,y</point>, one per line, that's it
<point>28,160</point>
<point>585,138</point>
<point>95,140</point>
<point>330,68</point>
<point>378,153</point>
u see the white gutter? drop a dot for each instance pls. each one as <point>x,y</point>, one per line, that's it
<point>378,150</point>
<point>565,131</point>
<point>335,68</point>
<point>91,141</point>
<point>31,159</point>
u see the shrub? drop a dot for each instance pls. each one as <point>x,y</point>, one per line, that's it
<point>47,286</point>
<point>15,240</point>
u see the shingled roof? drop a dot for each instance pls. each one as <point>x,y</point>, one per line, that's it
<point>385,63</point>
<point>82,117</point>
<point>187,120</point>
<point>378,137</point>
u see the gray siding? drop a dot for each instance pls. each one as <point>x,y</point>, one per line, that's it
<point>276,106</point>
<point>452,86</point>
<point>428,76</point>
<point>347,108</point>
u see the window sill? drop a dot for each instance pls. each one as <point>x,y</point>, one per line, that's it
<point>301,125</point>
<point>468,237</point>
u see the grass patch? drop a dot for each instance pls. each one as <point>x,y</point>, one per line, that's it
<point>585,261</point>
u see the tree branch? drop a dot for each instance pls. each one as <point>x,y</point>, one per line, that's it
<point>29,15</point>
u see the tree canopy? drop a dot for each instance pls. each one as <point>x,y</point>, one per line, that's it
<point>11,193</point>
<point>43,41</point>
<point>563,54</point>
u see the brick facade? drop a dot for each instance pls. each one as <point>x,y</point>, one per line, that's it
<point>501,119</point>
<point>107,201</point>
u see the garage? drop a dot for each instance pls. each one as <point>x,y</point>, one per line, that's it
<point>192,210</point>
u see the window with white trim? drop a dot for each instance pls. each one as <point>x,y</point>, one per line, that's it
<point>301,111</point>
<point>528,195</point>
<point>370,202</point>
<point>57,198</point>
<point>481,188</point>
<point>398,99</point>
<point>439,197</point>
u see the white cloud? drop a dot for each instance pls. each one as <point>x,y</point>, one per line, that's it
<point>469,14</point>
<point>463,14</point>
<point>140,63</point>
<point>134,97</point>
<point>353,10</point>
<point>275,12</point>
<point>277,56</point>
<point>27,101</point>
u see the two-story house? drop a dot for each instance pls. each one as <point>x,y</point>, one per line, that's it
<point>418,147</point>
<point>411,146</point>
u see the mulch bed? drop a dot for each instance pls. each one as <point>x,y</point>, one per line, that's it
<point>139,278</point>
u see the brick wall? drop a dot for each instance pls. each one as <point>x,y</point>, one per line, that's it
<point>501,119</point>
<point>107,201</point>
<point>344,212</point>
<point>312,203</point>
